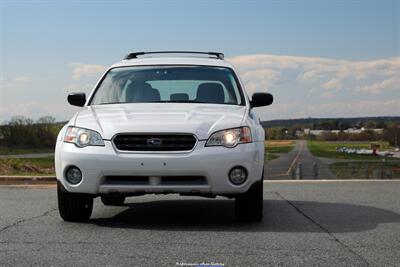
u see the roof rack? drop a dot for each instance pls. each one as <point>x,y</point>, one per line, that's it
<point>136,54</point>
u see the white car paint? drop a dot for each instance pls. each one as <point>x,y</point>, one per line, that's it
<point>199,119</point>
<point>214,163</point>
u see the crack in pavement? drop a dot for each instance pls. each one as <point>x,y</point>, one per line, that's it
<point>349,249</point>
<point>26,220</point>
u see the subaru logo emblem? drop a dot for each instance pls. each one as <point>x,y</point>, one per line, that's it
<point>154,141</point>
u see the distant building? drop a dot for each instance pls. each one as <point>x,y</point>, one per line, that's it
<point>379,130</point>
<point>318,132</point>
<point>353,130</point>
<point>307,131</point>
<point>300,133</point>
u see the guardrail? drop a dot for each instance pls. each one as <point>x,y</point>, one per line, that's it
<point>338,170</point>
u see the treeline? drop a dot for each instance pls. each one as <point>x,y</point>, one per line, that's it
<point>22,132</point>
<point>366,135</point>
<point>390,132</point>
<point>334,123</point>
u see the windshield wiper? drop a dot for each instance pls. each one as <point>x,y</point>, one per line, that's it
<point>106,103</point>
<point>171,101</point>
<point>183,101</point>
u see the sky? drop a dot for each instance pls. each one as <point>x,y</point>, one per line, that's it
<point>318,58</point>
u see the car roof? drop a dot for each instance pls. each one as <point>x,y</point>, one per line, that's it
<point>146,61</point>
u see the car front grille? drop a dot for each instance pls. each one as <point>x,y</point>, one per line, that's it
<point>155,142</point>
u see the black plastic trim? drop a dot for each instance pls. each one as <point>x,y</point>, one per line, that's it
<point>218,55</point>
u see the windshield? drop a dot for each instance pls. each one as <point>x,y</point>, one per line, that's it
<point>191,84</point>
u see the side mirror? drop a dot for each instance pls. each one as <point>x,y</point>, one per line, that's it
<point>77,99</point>
<point>261,99</point>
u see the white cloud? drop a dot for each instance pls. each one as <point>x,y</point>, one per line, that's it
<point>81,70</point>
<point>264,78</point>
<point>35,110</point>
<point>80,87</point>
<point>332,84</point>
<point>302,87</point>
<point>392,83</point>
<point>18,81</point>
<point>372,76</point>
<point>22,79</point>
<point>328,94</point>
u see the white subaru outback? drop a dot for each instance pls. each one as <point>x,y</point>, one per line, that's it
<point>159,125</point>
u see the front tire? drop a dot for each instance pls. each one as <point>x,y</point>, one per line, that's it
<point>249,206</point>
<point>74,207</point>
<point>113,200</point>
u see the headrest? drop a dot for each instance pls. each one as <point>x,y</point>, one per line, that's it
<point>142,92</point>
<point>210,93</point>
<point>179,97</point>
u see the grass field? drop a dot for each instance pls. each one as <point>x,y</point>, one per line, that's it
<point>366,170</point>
<point>269,156</point>
<point>328,150</point>
<point>30,166</point>
<point>275,147</point>
<point>18,151</point>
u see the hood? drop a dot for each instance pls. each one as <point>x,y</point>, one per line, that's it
<point>198,119</point>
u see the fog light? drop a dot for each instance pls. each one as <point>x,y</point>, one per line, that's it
<point>74,175</point>
<point>238,175</point>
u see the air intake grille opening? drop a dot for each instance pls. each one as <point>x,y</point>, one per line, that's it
<point>154,142</point>
<point>144,180</point>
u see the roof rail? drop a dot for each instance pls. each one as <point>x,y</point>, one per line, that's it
<point>136,54</point>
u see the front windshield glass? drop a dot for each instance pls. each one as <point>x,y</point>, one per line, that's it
<point>192,84</point>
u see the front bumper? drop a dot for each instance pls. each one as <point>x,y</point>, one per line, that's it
<point>211,163</point>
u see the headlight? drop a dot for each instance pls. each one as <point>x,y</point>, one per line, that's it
<point>83,137</point>
<point>230,137</point>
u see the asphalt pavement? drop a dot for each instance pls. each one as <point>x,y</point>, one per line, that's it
<point>287,166</point>
<point>306,224</point>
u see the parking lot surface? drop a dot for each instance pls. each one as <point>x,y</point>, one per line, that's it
<point>306,223</point>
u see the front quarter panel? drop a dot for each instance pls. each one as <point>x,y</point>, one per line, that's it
<point>257,130</point>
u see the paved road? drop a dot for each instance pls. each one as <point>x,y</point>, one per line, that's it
<point>307,223</point>
<point>284,166</point>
